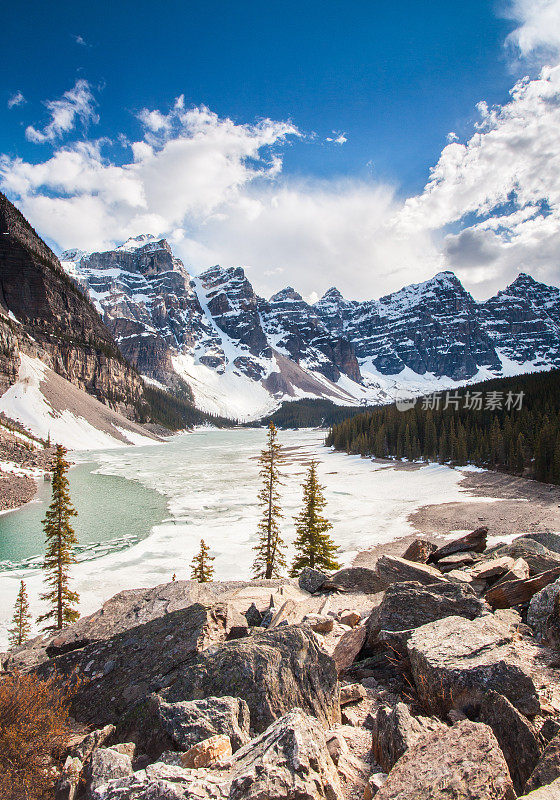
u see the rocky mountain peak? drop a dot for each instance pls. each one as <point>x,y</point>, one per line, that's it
<point>286,295</point>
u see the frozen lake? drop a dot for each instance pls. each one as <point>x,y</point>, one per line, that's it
<point>143,510</point>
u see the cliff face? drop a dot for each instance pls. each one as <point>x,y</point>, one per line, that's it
<point>46,314</point>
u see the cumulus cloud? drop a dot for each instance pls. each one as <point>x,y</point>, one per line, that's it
<point>17,99</point>
<point>76,104</point>
<point>538,33</point>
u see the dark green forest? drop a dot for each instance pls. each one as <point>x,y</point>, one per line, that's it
<point>174,411</point>
<point>499,435</point>
<point>309,413</point>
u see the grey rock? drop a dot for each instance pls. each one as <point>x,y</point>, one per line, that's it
<point>273,672</point>
<point>550,729</point>
<point>454,660</point>
<point>253,616</point>
<point>538,557</point>
<point>549,540</point>
<point>391,569</point>
<point>541,606</point>
<point>550,792</point>
<point>189,722</point>
<point>395,730</point>
<point>145,659</point>
<point>515,735</point>
<point>463,762</point>
<point>547,768</point>
<point>107,765</point>
<point>89,743</point>
<point>311,580</point>
<point>406,606</point>
<point>357,579</point>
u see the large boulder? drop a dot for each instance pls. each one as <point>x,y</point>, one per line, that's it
<point>311,580</point>
<point>106,765</point>
<point>541,606</point>
<point>274,672</point>
<point>419,550</point>
<point>547,768</point>
<point>474,542</point>
<point>113,675</point>
<point>549,540</point>
<point>454,660</point>
<point>516,736</point>
<point>395,730</point>
<point>348,647</point>
<point>539,558</point>
<point>358,580</point>
<point>406,606</point>
<point>392,569</point>
<point>463,762</point>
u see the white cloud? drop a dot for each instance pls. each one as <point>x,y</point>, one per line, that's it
<point>16,99</point>
<point>538,33</point>
<point>337,138</point>
<point>80,40</point>
<point>76,103</point>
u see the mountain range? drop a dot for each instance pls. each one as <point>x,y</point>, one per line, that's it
<point>241,354</point>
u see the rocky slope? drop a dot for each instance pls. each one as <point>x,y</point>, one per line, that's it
<point>242,354</point>
<point>432,675</point>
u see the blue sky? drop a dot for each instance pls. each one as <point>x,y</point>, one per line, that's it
<point>390,82</point>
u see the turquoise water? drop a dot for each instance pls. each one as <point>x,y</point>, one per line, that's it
<point>113,512</point>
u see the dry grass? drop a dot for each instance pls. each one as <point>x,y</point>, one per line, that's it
<point>34,728</point>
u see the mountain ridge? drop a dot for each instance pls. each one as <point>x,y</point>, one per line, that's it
<point>242,354</point>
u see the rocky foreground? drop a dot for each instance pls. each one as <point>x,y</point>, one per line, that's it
<point>431,675</point>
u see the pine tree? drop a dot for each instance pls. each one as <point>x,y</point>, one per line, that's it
<point>314,546</point>
<point>270,559</point>
<point>60,539</point>
<point>201,566</point>
<point>21,619</point>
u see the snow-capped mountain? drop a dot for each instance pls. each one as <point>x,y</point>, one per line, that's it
<point>242,354</point>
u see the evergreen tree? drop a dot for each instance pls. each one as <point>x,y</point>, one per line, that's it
<point>21,619</point>
<point>270,559</point>
<point>60,539</point>
<point>314,546</point>
<point>201,566</point>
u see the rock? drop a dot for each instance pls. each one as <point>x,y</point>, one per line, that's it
<point>107,765</point>
<point>550,728</point>
<point>284,614</point>
<point>350,618</point>
<point>538,557</point>
<point>208,752</point>
<point>472,542</point>
<point>512,593</point>
<point>352,693</point>
<point>519,571</point>
<point>515,735</point>
<point>319,623</point>
<point>119,672</point>
<point>336,745</point>
<point>406,606</point>
<point>419,550</point>
<point>391,569</point>
<point>541,606</point>
<point>463,762</point>
<point>547,768</point>
<point>549,540</point>
<point>453,660</point>
<point>357,579</point>
<point>253,616</point>
<point>274,672</point>
<point>455,561</point>
<point>89,743</point>
<point>69,781</point>
<point>311,580</point>
<point>189,722</point>
<point>289,760</point>
<point>348,647</point>
<point>395,730</point>
<point>374,784</point>
<point>550,792</point>
<point>126,748</point>
<point>494,568</point>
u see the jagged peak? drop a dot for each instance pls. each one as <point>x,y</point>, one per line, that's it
<point>332,294</point>
<point>287,294</point>
<point>142,240</point>
<point>74,255</point>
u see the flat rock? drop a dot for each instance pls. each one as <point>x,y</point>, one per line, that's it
<point>547,768</point>
<point>119,672</point>
<point>549,540</point>
<point>407,606</point>
<point>515,734</point>
<point>453,660</point>
<point>392,569</point>
<point>105,765</point>
<point>539,558</point>
<point>474,542</point>
<point>273,672</point>
<point>463,762</point>
<point>518,571</point>
<point>348,647</point>
<point>494,568</point>
<point>395,730</point>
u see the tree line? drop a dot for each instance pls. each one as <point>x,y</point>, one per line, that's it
<point>508,424</point>
<point>313,544</point>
